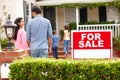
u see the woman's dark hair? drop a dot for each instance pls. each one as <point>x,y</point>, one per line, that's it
<point>36,9</point>
<point>67,28</point>
<point>17,28</point>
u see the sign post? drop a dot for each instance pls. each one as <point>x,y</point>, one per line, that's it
<point>91,44</point>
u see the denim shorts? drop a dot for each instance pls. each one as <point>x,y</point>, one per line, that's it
<point>42,53</point>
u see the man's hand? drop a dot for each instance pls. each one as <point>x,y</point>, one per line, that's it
<point>49,50</point>
<point>28,42</point>
<point>50,44</point>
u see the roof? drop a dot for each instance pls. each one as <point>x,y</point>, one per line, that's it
<point>59,2</point>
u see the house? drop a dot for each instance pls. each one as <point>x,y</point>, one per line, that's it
<point>16,8</point>
<point>62,12</point>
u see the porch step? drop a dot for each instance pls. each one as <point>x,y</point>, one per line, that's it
<point>61,52</point>
<point>61,56</point>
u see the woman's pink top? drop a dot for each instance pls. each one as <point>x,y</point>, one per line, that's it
<point>20,42</point>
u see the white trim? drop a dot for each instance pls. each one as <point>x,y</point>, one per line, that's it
<point>56,13</point>
<point>59,2</point>
<point>64,17</point>
<point>114,27</point>
<point>77,17</point>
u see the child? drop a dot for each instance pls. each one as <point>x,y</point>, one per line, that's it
<point>55,44</point>
<point>66,39</point>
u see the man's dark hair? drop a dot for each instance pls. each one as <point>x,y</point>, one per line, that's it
<point>36,9</point>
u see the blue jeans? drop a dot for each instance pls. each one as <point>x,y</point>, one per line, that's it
<point>39,53</point>
<point>55,53</point>
<point>66,46</point>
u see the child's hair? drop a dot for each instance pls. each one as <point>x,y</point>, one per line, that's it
<point>67,28</point>
<point>53,32</point>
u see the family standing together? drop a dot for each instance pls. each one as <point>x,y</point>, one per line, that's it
<point>39,37</point>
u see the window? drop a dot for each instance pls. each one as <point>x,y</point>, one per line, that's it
<point>39,0</point>
<point>83,15</point>
<point>26,12</point>
<point>102,14</point>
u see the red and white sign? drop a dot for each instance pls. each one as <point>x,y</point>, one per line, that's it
<point>91,44</point>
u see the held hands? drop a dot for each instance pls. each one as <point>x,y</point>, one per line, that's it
<point>49,50</point>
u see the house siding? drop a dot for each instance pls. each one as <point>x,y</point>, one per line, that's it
<point>19,8</point>
<point>14,8</point>
<point>70,15</point>
<point>10,9</point>
<point>113,14</point>
<point>93,14</point>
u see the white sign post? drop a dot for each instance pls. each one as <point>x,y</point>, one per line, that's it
<point>5,70</point>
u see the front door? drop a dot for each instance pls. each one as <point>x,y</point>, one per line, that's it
<point>49,13</point>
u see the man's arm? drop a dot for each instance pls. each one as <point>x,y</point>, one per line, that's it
<point>49,36</point>
<point>28,42</point>
<point>28,35</point>
<point>50,44</point>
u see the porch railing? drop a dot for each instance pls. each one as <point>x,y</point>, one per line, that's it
<point>114,27</point>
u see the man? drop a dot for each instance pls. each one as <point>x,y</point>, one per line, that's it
<point>39,34</point>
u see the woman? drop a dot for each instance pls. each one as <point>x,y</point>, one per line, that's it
<point>20,35</point>
<point>66,39</point>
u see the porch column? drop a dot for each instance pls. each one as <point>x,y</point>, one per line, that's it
<point>57,28</point>
<point>77,17</point>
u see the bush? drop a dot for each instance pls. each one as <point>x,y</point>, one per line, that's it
<point>96,22</point>
<point>72,26</point>
<point>4,43</point>
<point>62,34</point>
<point>91,22</point>
<point>116,43</point>
<point>52,69</point>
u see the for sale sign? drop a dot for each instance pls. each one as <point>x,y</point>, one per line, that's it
<point>91,44</point>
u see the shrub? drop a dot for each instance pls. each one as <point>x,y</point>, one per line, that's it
<point>52,69</point>
<point>91,22</point>
<point>62,34</point>
<point>4,43</point>
<point>116,43</point>
<point>72,26</point>
<point>96,22</point>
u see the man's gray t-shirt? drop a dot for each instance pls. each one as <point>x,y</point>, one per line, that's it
<point>38,31</point>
